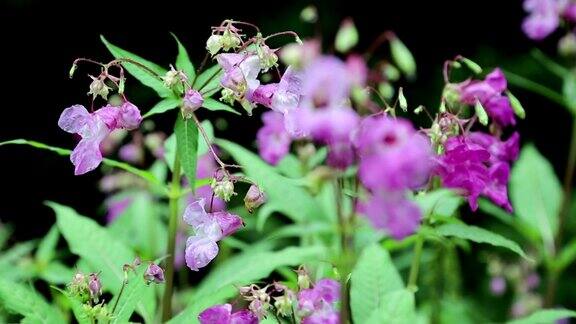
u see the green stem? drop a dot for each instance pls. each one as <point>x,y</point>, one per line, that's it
<point>549,64</point>
<point>172,228</point>
<point>554,274</point>
<point>532,86</point>
<point>346,256</point>
<point>415,267</point>
<point>124,282</point>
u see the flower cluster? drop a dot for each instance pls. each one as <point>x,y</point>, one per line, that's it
<point>545,16</point>
<point>209,228</point>
<point>93,128</point>
<point>310,305</point>
<point>478,163</point>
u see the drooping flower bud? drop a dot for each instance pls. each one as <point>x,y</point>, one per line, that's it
<point>192,101</point>
<point>154,274</point>
<point>95,287</point>
<point>98,88</point>
<point>254,198</point>
<point>481,113</point>
<point>402,100</point>
<point>214,44</point>
<point>230,40</point>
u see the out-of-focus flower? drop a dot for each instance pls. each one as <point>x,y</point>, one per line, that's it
<point>272,139</point>
<point>222,314</point>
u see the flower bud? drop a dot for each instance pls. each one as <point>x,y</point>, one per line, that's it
<point>173,77</point>
<point>402,100</point>
<point>230,40</point>
<point>299,55</point>
<point>254,198</point>
<point>224,189</point>
<point>567,45</point>
<point>154,274</point>
<point>98,88</point>
<point>94,287</point>
<point>309,14</point>
<point>481,113</point>
<point>473,66</point>
<point>516,105</point>
<point>192,101</point>
<point>402,57</point>
<point>303,279</point>
<point>283,305</point>
<point>214,44</point>
<point>347,36</point>
<point>72,70</point>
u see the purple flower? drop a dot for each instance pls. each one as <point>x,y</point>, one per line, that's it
<point>154,273</point>
<point>287,94</point>
<point>222,314</point>
<point>489,93</point>
<point>263,94</point>
<point>132,152</point>
<point>191,102</point>
<point>498,285</point>
<point>326,82</point>
<point>317,304</point>
<point>94,287</point>
<point>93,128</point>
<point>391,212</point>
<point>240,72</point>
<point>254,198</point>
<point>209,228</point>
<point>323,316</point>
<point>357,70</point>
<point>272,139</point>
<point>542,19</point>
<point>392,155</point>
<point>568,10</point>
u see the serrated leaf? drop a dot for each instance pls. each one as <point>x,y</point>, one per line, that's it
<point>283,193</point>
<point>480,235</point>
<point>536,194</point>
<point>163,106</point>
<point>545,316</point>
<point>373,277</point>
<point>47,247</point>
<point>208,79</point>
<point>23,300</point>
<point>249,267</point>
<point>215,105</point>
<point>102,251</point>
<point>397,307</point>
<point>187,147</point>
<point>569,91</point>
<point>147,78</point>
<point>183,61</point>
<point>65,152</point>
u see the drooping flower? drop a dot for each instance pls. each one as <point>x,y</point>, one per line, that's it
<point>222,314</point>
<point>272,139</point>
<point>489,93</point>
<point>254,198</point>
<point>542,19</point>
<point>209,228</point>
<point>93,128</point>
<point>392,212</point>
<point>393,156</point>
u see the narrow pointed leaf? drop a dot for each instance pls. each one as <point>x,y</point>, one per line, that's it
<point>183,61</point>
<point>215,105</point>
<point>187,147</point>
<point>164,105</point>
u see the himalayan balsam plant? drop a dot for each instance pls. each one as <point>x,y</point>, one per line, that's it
<point>349,213</point>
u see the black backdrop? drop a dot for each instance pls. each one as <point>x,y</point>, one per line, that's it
<point>40,39</point>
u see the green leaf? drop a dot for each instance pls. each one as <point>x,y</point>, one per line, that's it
<point>209,79</point>
<point>536,194</point>
<point>132,295</point>
<point>569,91</point>
<point>164,105</point>
<point>522,227</point>
<point>200,303</point>
<point>283,193</point>
<point>566,256</point>
<point>65,152</point>
<point>402,57</point>
<point>56,273</point>
<point>15,253</point>
<point>77,307</point>
<point>187,147</point>
<point>249,267</point>
<point>397,307</point>
<point>480,235</point>
<point>215,105</point>
<point>373,277</point>
<point>183,61</point>
<point>144,75</point>
<point>442,202</point>
<point>545,316</point>
<point>23,300</point>
<point>47,246</point>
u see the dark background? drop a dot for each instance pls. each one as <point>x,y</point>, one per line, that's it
<point>40,39</point>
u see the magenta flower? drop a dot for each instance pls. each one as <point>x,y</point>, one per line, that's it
<point>93,128</point>
<point>498,285</point>
<point>393,156</point>
<point>317,304</point>
<point>222,314</point>
<point>542,19</point>
<point>489,93</point>
<point>209,228</point>
<point>263,94</point>
<point>272,139</point>
<point>391,212</point>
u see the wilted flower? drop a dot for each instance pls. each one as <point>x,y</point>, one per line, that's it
<point>254,198</point>
<point>154,274</point>
<point>98,88</point>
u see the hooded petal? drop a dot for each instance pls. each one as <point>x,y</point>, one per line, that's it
<point>73,118</point>
<point>200,251</point>
<point>287,96</point>
<point>229,223</point>
<point>195,215</point>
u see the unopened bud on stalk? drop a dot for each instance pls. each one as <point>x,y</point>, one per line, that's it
<point>481,113</point>
<point>347,36</point>
<point>95,287</point>
<point>154,274</point>
<point>303,278</point>
<point>254,198</point>
<point>191,102</point>
<point>214,44</point>
<point>98,88</point>
<point>173,77</point>
<point>402,100</point>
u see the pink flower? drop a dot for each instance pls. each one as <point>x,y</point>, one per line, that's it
<point>272,139</point>
<point>222,314</point>
<point>542,19</point>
